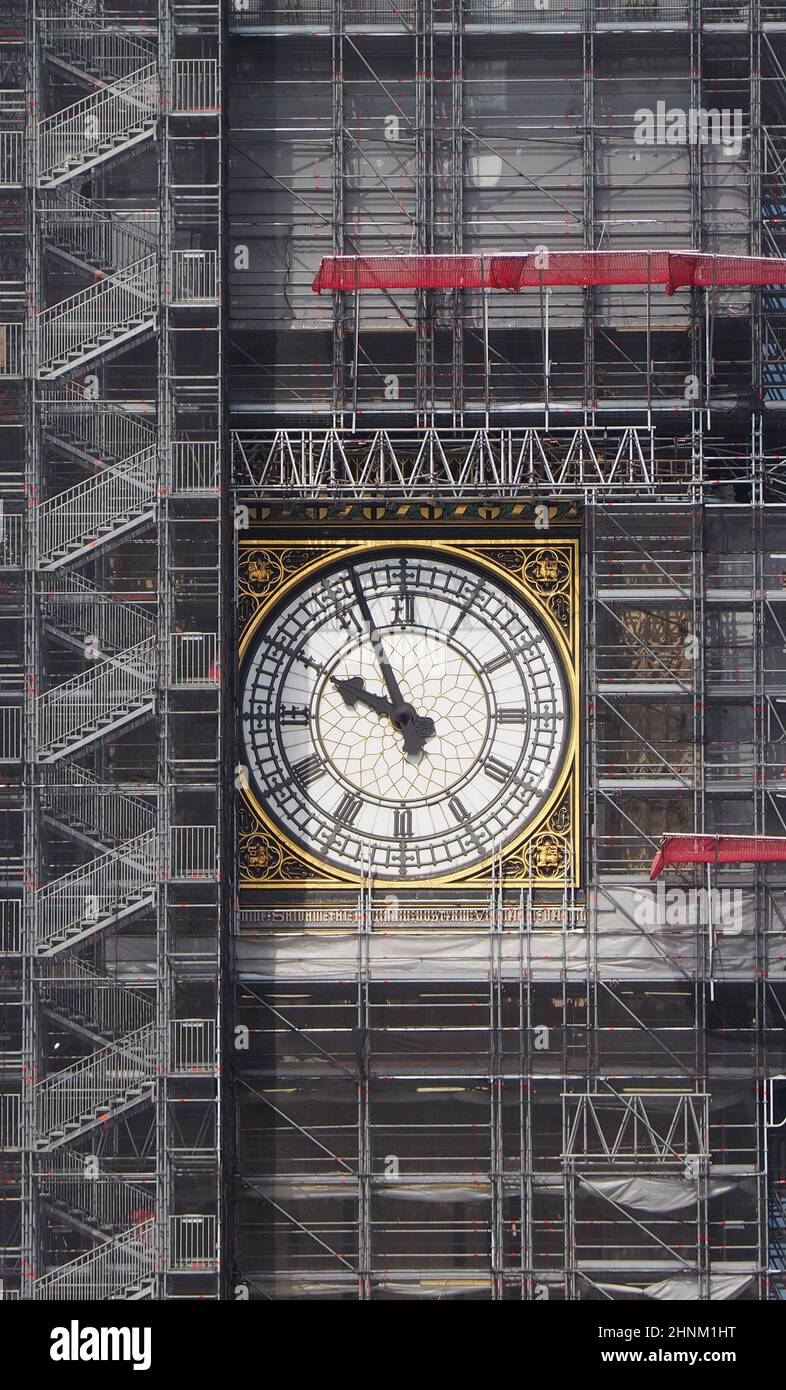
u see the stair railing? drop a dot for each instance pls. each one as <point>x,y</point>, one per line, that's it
<point>85,896</point>
<point>80,133</point>
<point>76,706</point>
<point>71,328</point>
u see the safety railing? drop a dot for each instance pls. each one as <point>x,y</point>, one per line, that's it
<point>94,48</point>
<point>195,86</point>
<point>99,428</point>
<point>195,467</point>
<point>195,659</point>
<point>125,1262</point>
<point>11,158</point>
<point>103,1005</point>
<point>69,518</point>
<point>193,1045</point>
<point>106,624</point>
<point>193,852</point>
<point>192,1243</point>
<point>79,795</point>
<point>77,1092</point>
<point>10,1120</point>
<point>194,277</point>
<point>10,733</point>
<point>86,700</point>
<point>12,534</point>
<point>11,349</point>
<point>107,1201</point>
<point>85,896</point>
<point>106,239</point>
<point>96,315</point>
<point>10,926</point>
<point>80,134</point>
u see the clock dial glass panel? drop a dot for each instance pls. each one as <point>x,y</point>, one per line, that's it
<point>379,640</point>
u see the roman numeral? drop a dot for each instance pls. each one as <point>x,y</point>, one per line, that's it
<point>499,662</point>
<point>402,823</point>
<point>404,608</point>
<point>294,714</point>
<point>456,809</point>
<point>347,808</point>
<point>308,769</point>
<point>512,716</point>
<point>499,771</point>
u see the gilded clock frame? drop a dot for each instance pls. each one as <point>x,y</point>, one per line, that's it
<point>545,574</point>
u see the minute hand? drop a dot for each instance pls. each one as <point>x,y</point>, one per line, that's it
<point>391,684</point>
<point>415,730</point>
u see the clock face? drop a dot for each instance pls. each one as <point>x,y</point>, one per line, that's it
<point>405,715</point>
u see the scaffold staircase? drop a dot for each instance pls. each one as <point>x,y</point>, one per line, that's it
<point>117,692</point>
<point>75,523</point>
<point>81,805</point>
<point>777,1240</point>
<point>80,614</point>
<point>103,317</point>
<point>96,1089</point>
<point>93,1004</point>
<point>120,1268</point>
<point>96,239</point>
<point>120,111</point>
<point>100,1205</point>
<point>77,39</point>
<point>111,121</point>
<point>108,889</point>
<point>94,431</point>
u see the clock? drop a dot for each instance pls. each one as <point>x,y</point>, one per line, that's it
<point>406,713</point>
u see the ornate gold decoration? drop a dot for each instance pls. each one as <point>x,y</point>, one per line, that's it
<point>545,574</point>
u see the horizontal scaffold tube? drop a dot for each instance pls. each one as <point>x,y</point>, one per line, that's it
<point>674,270</point>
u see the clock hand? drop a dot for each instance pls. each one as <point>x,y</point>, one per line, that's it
<point>386,671</point>
<point>415,728</point>
<point>353,691</point>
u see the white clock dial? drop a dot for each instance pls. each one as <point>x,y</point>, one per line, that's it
<point>405,714</point>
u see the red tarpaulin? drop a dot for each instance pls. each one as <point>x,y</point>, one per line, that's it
<point>718,849</point>
<point>673,269</point>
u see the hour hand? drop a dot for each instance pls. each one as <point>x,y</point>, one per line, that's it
<point>353,691</point>
<point>416,730</point>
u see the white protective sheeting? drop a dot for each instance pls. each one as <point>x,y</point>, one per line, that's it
<point>623,952</point>
<point>684,1288</point>
<point>653,1194</point>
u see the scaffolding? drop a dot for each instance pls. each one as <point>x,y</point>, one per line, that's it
<point>572,1093</point>
<point>113,893</point>
<point>568,1095</point>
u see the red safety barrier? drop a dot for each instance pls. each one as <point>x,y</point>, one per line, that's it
<point>673,270</point>
<point>718,849</point>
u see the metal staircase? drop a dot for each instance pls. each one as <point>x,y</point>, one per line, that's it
<point>99,1133</point>
<point>103,317</point>
<point>92,237</point>
<point>115,885</point>
<point>97,702</point>
<point>94,431</point>
<point>78,804</point>
<point>101,1206</point>
<point>78,40</point>
<point>777,1242</point>
<point>97,623</point>
<point>95,1089</point>
<point>111,120</point>
<point>75,523</point>
<point>120,1268</point>
<point>92,1003</point>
